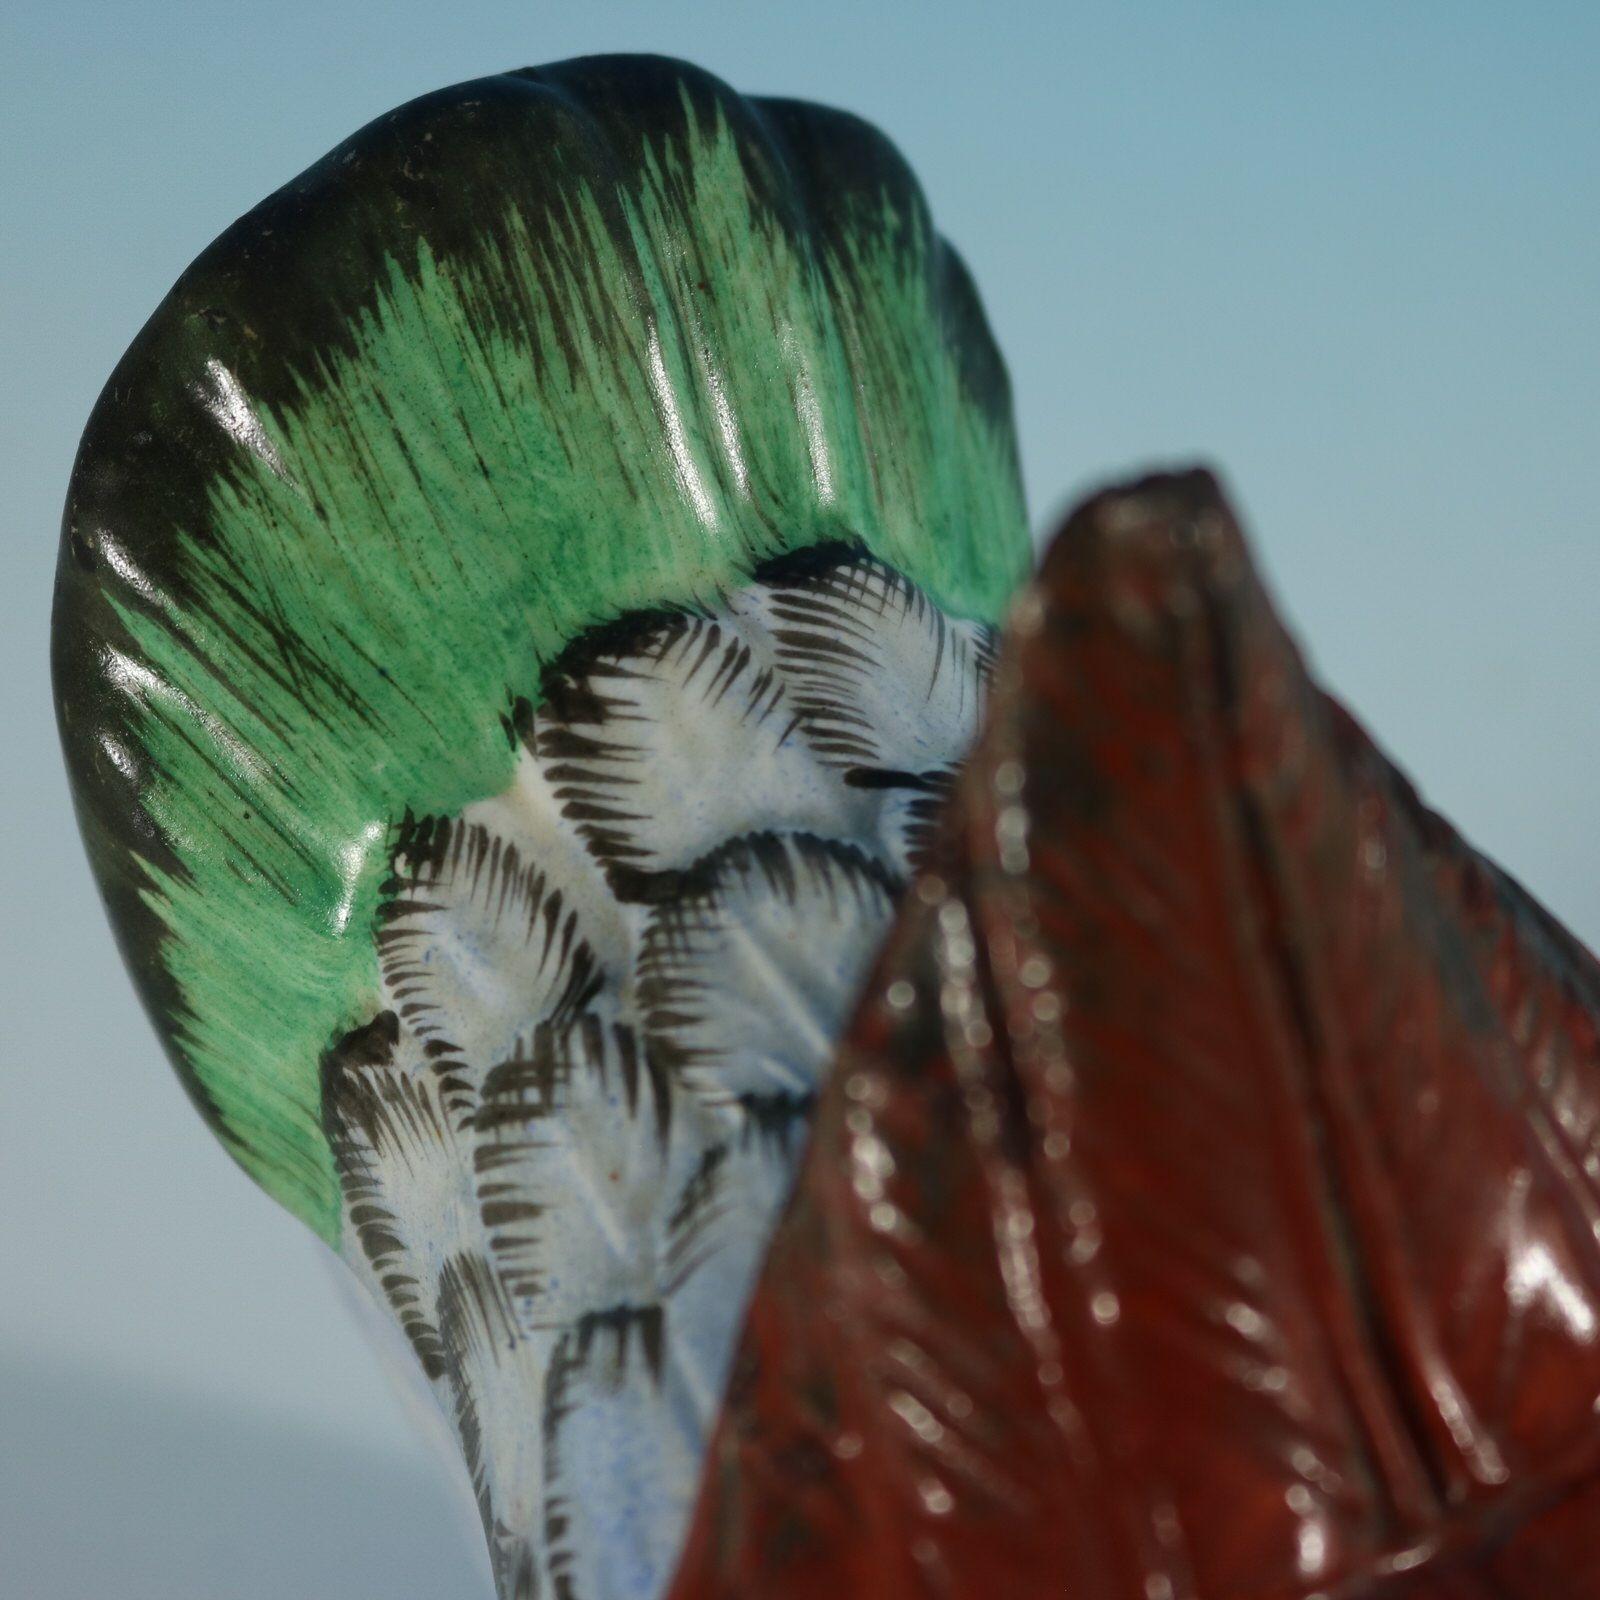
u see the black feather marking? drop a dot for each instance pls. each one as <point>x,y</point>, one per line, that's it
<point>449,876</point>
<point>378,1116</point>
<point>522,1137</point>
<point>683,959</point>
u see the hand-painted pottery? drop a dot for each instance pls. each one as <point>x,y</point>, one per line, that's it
<point>522,598</point>
<point>525,599</point>
<point>1205,1200</point>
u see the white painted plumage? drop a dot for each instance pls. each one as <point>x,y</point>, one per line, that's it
<point>608,997</point>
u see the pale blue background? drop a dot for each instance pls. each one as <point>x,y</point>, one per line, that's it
<point>1350,252</point>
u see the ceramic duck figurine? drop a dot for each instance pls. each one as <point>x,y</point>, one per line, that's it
<point>524,600</point>
<point>523,596</point>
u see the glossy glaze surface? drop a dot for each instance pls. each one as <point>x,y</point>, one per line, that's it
<point>522,599</point>
<point>1206,1200</point>
<point>608,995</point>
<point>520,357</point>
<point>522,602</point>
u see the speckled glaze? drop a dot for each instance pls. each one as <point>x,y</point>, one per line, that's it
<point>522,599</point>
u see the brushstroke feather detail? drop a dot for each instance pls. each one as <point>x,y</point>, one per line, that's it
<point>608,998</point>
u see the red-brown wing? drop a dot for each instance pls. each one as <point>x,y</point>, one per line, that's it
<point>1203,1203</point>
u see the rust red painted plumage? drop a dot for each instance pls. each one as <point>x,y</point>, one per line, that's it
<point>1206,1200</point>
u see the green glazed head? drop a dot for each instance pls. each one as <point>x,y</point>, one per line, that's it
<point>515,358</point>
